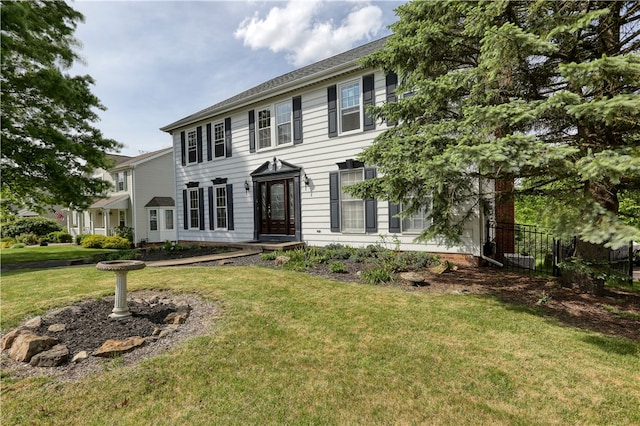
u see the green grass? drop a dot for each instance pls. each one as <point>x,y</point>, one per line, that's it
<point>289,348</point>
<point>53,252</point>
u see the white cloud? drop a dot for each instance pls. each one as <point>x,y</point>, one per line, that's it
<point>298,29</point>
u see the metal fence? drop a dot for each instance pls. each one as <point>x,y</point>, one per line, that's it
<point>528,248</point>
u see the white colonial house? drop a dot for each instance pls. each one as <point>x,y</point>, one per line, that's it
<point>269,164</point>
<point>142,198</point>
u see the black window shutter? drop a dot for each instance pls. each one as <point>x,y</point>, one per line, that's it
<point>368,98</point>
<point>230,207</point>
<point>227,136</point>
<point>297,120</point>
<point>394,222</point>
<point>209,152</point>
<point>199,143</point>
<point>392,82</point>
<point>252,131</point>
<point>211,217</point>
<point>183,148</point>
<point>332,109</point>
<point>201,207</point>
<point>370,206</point>
<point>334,201</point>
<point>185,209</point>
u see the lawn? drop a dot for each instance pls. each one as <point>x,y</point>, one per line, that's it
<point>290,348</point>
<point>52,252</point>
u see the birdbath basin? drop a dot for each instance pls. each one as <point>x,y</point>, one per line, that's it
<point>120,267</point>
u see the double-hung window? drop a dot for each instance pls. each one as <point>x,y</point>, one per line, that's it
<point>168,219</point>
<point>350,107</point>
<point>264,128</point>
<point>194,209</point>
<point>416,223</point>
<point>192,147</point>
<point>275,125</point>
<point>120,179</point>
<point>218,140</point>
<point>283,123</point>
<point>153,220</point>
<point>352,210</point>
<point>221,206</point>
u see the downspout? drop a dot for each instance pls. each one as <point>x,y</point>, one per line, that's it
<point>490,260</point>
<point>133,205</point>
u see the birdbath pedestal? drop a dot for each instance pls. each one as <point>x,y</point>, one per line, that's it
<point>120,267</point>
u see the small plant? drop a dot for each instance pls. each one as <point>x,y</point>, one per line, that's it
<point>267,256</point>
<point>337,268</point>
<point>377,275</point>
<point>18,246</point>
<point>544,298</point>
<point>58,237</point>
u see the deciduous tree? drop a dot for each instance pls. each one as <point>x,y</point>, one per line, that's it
<point>49,144</point>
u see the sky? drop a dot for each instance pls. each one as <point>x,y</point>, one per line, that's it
<point>155,62</point>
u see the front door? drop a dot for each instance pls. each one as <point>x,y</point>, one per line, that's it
<point>277,207</point>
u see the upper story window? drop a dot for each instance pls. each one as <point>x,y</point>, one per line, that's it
<point>275,129</point>
<point>283,122</point>
<point>218,140</point>
<point>350,107</point>
<point>192,146</point>
<point>264,128</point>
<point>120,179</point>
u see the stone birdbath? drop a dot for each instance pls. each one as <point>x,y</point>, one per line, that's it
<point>120,267</point>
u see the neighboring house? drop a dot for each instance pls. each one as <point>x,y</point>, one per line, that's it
<point>141,198</point>
<point>269,164</point>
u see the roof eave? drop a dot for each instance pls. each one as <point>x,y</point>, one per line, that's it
<point>269,93</point>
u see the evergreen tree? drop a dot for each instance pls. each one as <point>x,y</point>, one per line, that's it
<point>542,93</point>
<point>49,147</point>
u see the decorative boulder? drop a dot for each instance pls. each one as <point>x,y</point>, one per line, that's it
<point>54,357</point>
<point>116,347</point>
<point>413,277</point>
<point>27,344</point>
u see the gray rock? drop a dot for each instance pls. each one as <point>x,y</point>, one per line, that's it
<point>57,355</point>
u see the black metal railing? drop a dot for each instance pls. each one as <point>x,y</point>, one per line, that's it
<point>529,248</point>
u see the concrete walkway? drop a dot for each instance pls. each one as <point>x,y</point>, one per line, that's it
<point>198,259</point>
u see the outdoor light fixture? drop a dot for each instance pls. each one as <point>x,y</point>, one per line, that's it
<point>246,186</point>
<point>306,180</point>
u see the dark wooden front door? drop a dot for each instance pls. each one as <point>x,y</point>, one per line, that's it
<point>277,207</point>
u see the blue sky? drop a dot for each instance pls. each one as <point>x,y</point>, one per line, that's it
<point>155,62</point>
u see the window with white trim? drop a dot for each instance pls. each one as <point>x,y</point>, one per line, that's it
<point>275,125</point>
<point>192,147</point>
<point>350,106</point>
<point>153,220</point>
<point>122,218</point>
<point>416,223</point>
<point>352,210</point>
<point>194,209</point>
<point>220,208</point>
<point>168,219</point>
<point>120,179</point>
<point>218,140</point>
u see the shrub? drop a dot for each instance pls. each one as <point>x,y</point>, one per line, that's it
<point>115,242</point>
<point>93,241</point>
<point>37,225</point>
<point>378,275</point>
<point>28,239</point>
<point>124,232</point>
<point>271,255</point>
<point>413,260</point>
<point>7,242</point>
<point>18,246</point>
<point>337,268</point>
<point>59,237</point>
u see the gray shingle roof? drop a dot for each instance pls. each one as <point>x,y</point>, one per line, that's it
<point>349,57</point>
<point>142,157</point>
<point>161,202</point>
